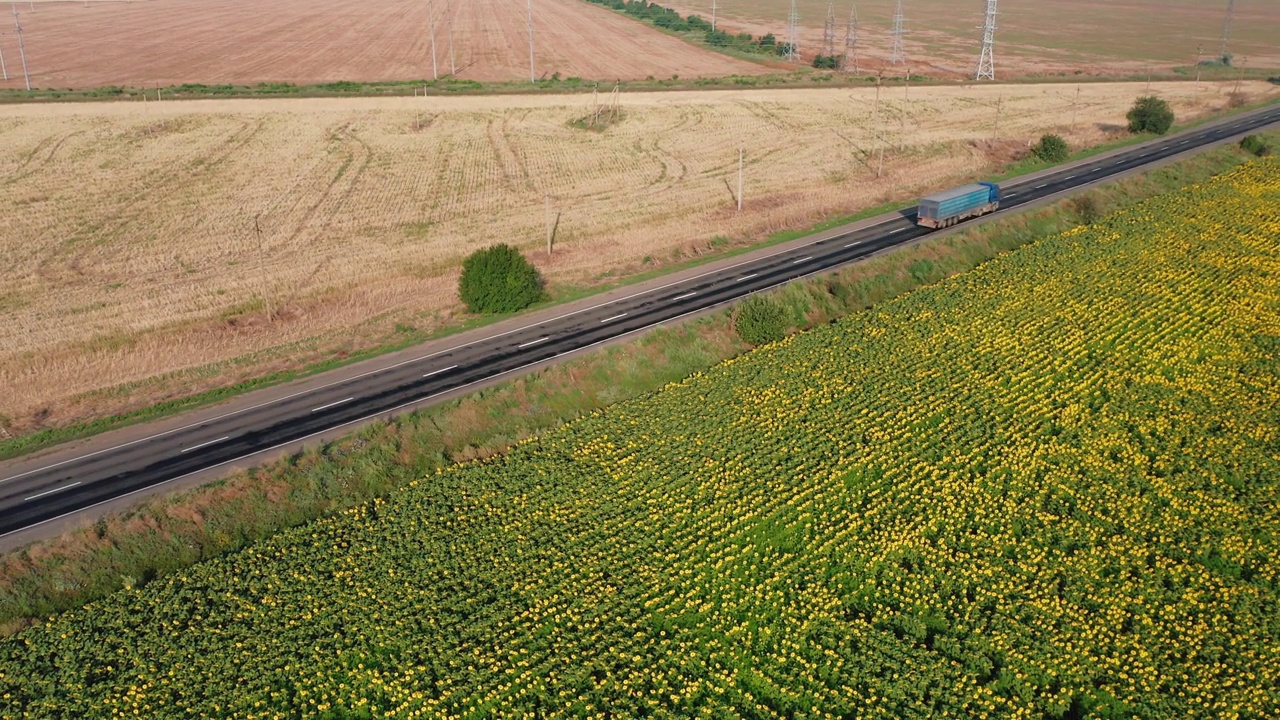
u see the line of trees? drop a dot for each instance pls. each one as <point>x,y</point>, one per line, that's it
<point>669,19</point>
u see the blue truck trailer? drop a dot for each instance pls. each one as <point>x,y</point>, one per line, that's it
<point>948,208</point>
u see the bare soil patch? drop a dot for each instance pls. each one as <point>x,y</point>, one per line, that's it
<point>171,42</point>
<point>1035,37</point>
<point>154,251</point>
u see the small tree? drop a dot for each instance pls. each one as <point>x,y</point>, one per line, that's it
<point>761,320</point>
<point>1052,149</point>
<point>1150,115</point>
<point>826,62</point>
<point>499,279</point>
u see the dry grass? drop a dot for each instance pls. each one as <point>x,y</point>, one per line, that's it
<point>131,240</point>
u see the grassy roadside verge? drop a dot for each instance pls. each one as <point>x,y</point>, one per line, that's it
<point>168,533</point>
<point>799,79</point>
<point>19,445</point>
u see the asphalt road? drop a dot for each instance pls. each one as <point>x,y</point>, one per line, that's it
<point>56,490</point>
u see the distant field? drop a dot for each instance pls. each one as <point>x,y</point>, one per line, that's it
<point>170,42</point>
<point>1035,36</point>
<point>1041,490</point>
<point>141,240</point>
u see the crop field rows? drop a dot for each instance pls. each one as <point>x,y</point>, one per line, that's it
<point>171,42</point>
<point>1034,37</point>
<point>148,240</point>
<point>1042,487</point>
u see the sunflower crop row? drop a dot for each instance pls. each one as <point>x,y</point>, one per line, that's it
<point>1045,487</point>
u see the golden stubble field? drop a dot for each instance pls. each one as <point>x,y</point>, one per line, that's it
<point>144,246</point>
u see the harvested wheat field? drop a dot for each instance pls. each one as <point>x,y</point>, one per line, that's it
<point>1035,36</point>
<point>144,240</point>
<point>170,42</point>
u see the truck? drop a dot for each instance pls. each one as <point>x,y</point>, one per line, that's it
<point>948,208</point>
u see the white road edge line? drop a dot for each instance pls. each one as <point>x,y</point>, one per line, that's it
<point>437,372</point>
<point>615,317</point>
<point>444,392</point>
<point>332,404</point>
<point>211,442</point>
<point>405,405</point>
<point>686,296</point>
<point>803,259</point>
<point>535,342</point>
<point>50,492</point>
<point>479,341</point>
<point>816,241</point>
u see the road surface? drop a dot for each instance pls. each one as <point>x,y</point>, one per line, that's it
<point>38,495</point>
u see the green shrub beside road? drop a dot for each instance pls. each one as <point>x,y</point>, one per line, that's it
<point>1150,115</point>
<point>499,280</point>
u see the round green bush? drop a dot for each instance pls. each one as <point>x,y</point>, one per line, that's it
<point>499,279</point>
<point>1150,115</point>
<point>1052,148</point>
<point>761,320</point>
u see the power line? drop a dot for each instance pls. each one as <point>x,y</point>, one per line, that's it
<point>1226,30</point>
<point>987,60</point>
<point>793,42</point>
<point>829,32</point>
<point>851,39</point>
<point>896,54</point>
<point>22,50</point>
<point>532,77</point>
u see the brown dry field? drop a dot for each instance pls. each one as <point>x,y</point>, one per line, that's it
<point>1094,37</point>
<point>131,269</point>
<point>170,42</point>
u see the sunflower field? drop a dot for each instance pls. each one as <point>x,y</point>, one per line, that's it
<point>1046,488</point>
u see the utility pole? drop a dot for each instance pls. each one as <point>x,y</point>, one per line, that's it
<point>552,226</point>
<point>532,76</point>
<point>22,51</point>
<point>1075,108</point>
<point>879,129</point>
<point>829,32</point>
<point>1226,31</point>
<point>999,112</point>
<point>906,100</point>
<point>3,70</point>
<point>793,42</point>
<point>453,63</point>
<point>435,70</point>
<point>1238,81</point>
<point>262,266</point>
<point>1199,55</point>
<point>713,15</point>
<point>741,156</point>
<point>897,54</point>
<point>851,39</point>
<point>987,60</point>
